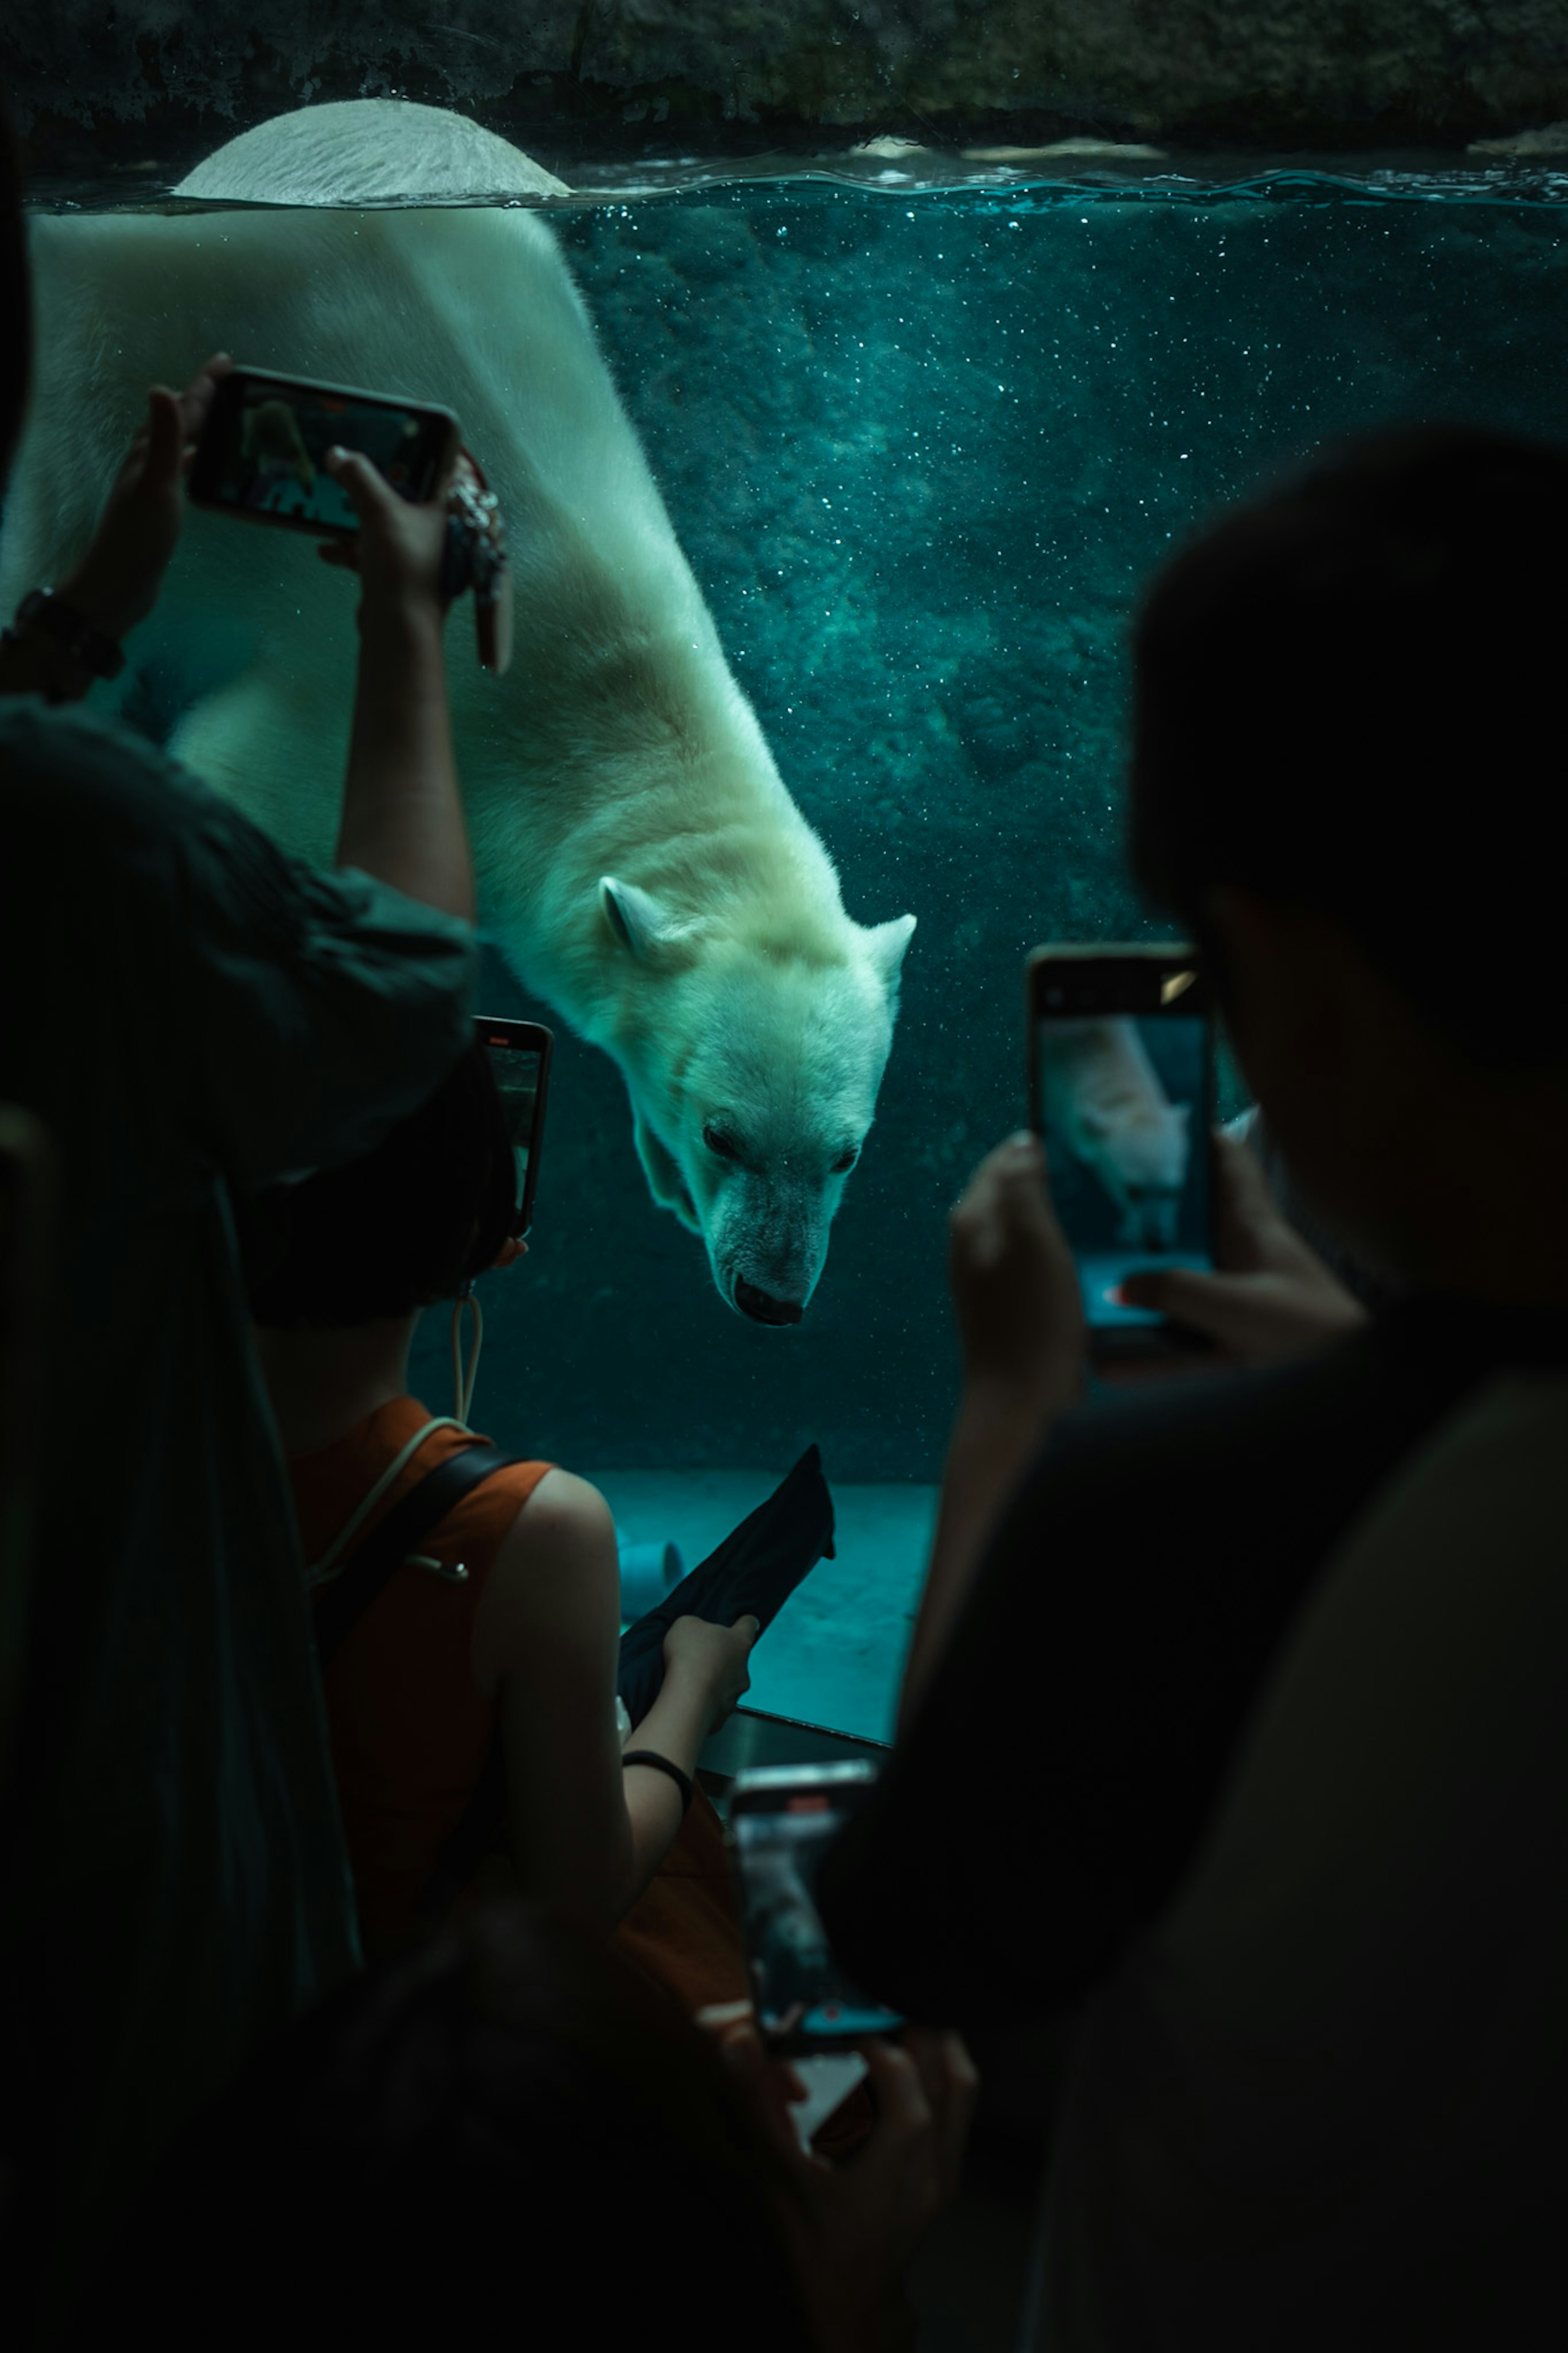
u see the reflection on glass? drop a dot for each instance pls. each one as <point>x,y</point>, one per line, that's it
<point>800,1986</point>
<point>517,1084</point>
<point>1123,1109</point>
<point>275,463</point>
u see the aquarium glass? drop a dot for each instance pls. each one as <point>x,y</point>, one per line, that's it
<point>922,446</point>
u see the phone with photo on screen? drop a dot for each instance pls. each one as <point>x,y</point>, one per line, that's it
<point>262,450</point>
<point>783,1819</point>
<point>519,1054</point>
<point>1122,1086</point>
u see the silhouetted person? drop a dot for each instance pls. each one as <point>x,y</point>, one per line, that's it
<point>186,1009</point>
<point>1349,740</point>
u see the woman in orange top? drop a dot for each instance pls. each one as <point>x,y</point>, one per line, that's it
<point>510,1609</point>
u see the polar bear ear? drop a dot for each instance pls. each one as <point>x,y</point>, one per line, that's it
<point>887,943</point>
<point>636,919</point>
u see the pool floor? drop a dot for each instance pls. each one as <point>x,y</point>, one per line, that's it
<point>835,1654</point>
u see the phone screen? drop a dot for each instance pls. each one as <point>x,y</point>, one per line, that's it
<point>264,449</point>
<point>519,1054</point>
<point>1123,1105</point>
<point>781,1823</point>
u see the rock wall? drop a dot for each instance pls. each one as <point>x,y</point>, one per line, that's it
<point>102,78</point>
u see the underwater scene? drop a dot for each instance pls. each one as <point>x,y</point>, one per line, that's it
<point>920,449</point>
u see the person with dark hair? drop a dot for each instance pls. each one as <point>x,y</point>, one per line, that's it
<point>184,1010</point>
<point>511,2131</point>
<point>505,1623</point>
<point>1347,720</point>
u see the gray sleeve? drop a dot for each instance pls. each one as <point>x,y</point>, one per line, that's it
<point>279,1017</point>
<point>326,1006</point>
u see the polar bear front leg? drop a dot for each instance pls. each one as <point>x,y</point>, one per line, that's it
<point>278,753</point>
<point>665,1181</point>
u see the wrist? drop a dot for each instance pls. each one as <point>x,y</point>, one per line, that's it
<point>696,1697</point>
<point>401,616</point>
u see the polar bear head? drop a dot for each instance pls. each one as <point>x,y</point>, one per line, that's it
<point>752,1064</point>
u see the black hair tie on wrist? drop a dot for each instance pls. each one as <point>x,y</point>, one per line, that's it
<point>662,1765</point>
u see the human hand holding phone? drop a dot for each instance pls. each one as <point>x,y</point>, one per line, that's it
<point>399,550</point>
<point>852,2230</point>
<point>1273,1297</point>
<point>118,580</point>
<point>1014,1284</point>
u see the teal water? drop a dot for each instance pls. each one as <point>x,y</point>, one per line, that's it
<point>921,448</point>
<point>922,454</point>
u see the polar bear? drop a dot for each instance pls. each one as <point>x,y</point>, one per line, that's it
<point>640,862</point>
<point>1102,1098</point>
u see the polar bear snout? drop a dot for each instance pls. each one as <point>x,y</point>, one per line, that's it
<point>763,1309</point>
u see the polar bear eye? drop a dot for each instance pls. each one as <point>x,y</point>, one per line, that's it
<point>717,1141</point>
<point>846,1160</point>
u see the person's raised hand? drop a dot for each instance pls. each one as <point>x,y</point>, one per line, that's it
<point>400,548</point>
<point>1273,1298</point>
<point>116,582</point>
<point>852,2227</point>
<point>714,1659</point>
<point>1015,1286</point>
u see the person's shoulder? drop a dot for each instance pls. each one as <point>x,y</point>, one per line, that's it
<point>96,785</point>
<point>44,746</point>
<point>555,1579</point>
<point>561,1525</point>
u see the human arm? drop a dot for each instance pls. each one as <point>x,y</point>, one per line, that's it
<point>1273,1298</point>
<point>402,818</point>
<point>116,581</point>
<point>1020,1318</point>
<point>851,2231</point>
<point>586,1832</point>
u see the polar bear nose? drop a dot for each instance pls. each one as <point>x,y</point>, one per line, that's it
<point>761,1308</point>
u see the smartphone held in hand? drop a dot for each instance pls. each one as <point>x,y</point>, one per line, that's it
<point>1120,1078</point>
<point>783,1819</point>
<point>262,450</point>
<point>519,1055</point>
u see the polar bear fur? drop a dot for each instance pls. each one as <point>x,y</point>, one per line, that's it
<point>640,862</point>
<point>1103,1098</point>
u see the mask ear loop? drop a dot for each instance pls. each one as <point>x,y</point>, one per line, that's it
<point>463,1386</point>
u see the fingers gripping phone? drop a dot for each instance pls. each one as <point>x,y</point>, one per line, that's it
<point>262,451</point>
<point>519,1053</point>
<point>783,1819</point>
<point>1121,1075</point>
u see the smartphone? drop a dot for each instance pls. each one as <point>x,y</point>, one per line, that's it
<point>783,1819</point>
<point>1120,1078</point>
<point>263,447</point>
<point>519,1054</point>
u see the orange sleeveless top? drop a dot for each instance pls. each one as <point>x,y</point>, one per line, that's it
<point>410,1729</point>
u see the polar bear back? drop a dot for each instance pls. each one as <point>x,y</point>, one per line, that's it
<point>367,151</point>
<point>620,732</point>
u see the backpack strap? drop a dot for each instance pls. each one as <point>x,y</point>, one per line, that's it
<point>372,1563</point>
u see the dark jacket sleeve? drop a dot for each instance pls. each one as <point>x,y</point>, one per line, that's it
<point>282,1017</point>
<point>1071,1743</point>
<point>328,1005</point>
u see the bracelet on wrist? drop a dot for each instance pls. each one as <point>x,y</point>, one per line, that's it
<point>662,1764</point>
<point>43,616</point>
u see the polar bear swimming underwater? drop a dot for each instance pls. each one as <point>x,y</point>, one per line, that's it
<point>640,862</point>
